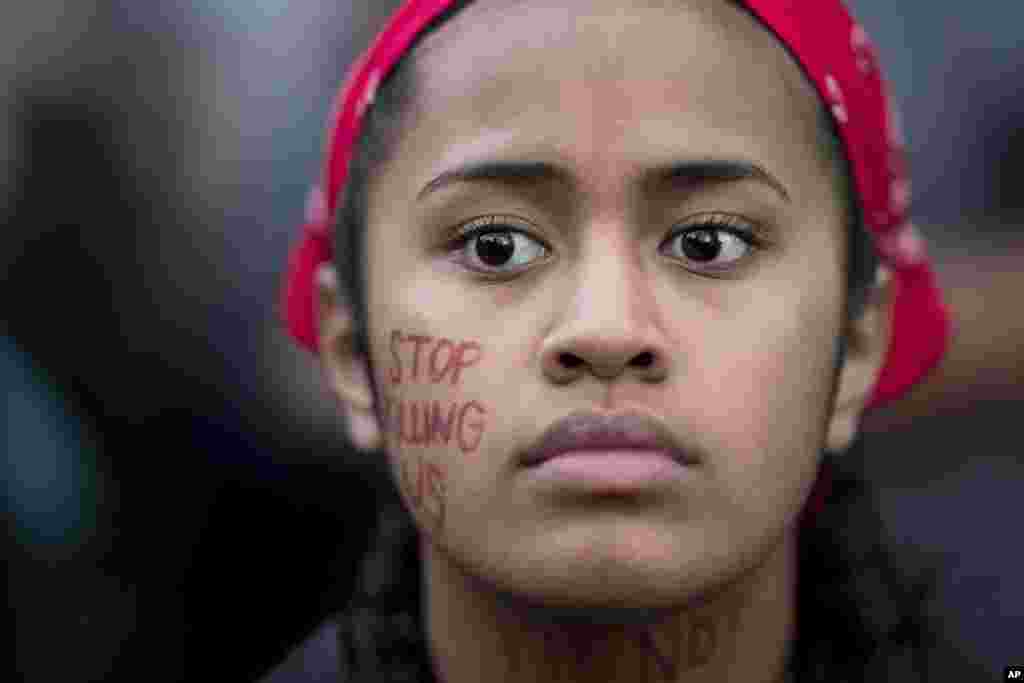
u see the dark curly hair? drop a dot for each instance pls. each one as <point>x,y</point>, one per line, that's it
<point>867,610</point>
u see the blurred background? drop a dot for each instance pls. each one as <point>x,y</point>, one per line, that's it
<point>179,498</point>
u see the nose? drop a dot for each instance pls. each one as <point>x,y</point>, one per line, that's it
<point>611,327</point>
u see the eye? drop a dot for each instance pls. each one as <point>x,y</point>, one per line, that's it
<point>489,245</point>
<point>713,242</point>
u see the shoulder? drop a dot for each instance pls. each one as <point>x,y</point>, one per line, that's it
<point>314,660</point>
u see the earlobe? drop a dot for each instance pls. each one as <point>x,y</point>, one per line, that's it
<point>867,347</point>
<point>345,371</point>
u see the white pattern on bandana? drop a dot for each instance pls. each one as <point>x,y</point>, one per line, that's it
<point>835,94</point>
<point>370,93</point>
<point>862,49</point>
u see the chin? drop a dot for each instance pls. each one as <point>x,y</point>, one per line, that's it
<point>619,587</point>
<point>595,602</point>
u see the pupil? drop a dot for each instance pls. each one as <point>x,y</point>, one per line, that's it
<point>701,245</point>
<point>495,247</point>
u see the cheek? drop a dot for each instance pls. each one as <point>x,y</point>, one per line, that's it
<point>765,401</point>
<point>432,416</point>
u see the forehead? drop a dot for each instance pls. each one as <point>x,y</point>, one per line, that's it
<point>612,84</point>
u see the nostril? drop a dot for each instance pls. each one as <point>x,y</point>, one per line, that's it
<point>644,360</point>
<point>569,360</point>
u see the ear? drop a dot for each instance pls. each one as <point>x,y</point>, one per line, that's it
<point>867,343</point>
<point>346,372</point>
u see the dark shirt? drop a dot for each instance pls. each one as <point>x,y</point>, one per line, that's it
<point>315,660</point>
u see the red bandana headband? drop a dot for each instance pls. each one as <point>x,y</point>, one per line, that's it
<point>839,60</point>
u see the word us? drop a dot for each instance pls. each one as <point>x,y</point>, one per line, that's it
<point>424,484</point>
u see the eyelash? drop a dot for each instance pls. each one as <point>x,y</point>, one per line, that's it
<point>713,222</point>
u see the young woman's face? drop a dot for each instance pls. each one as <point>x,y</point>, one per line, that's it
<point>479,346</point>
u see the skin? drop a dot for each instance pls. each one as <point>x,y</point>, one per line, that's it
<point>689,581</point>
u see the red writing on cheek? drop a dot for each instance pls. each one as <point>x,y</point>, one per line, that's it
<point>446,358</point>
<point>419,341</point>
<point>435,481</point>
<point>425,485</point>
<point>396,369</point>
<point>427,423</point>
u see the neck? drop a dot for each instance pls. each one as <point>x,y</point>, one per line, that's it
<point>739,632</point>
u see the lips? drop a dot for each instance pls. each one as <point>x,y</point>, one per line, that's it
<point>589,431</point>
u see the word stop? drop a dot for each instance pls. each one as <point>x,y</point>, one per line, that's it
<point>438,357</point>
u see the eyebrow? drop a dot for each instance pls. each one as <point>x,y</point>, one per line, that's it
<point>507,171</point>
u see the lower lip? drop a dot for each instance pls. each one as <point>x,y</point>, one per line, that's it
<point>617,470</point>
